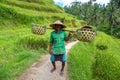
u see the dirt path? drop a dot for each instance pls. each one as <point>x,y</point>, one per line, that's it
<point>41,70</point>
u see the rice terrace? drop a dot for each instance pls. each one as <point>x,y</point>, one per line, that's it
<point>93,49</point>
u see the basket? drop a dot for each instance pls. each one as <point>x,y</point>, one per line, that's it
<point>39,30</point>
<point>85,34</point>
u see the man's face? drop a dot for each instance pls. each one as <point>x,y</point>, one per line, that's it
<point>58,27</point>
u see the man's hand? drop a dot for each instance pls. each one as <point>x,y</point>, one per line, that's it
<point>69,35</point>
<point>71,32</point>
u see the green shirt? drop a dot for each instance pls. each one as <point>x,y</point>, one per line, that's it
<point>58,42</point>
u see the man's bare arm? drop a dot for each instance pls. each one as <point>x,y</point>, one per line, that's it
<point>69,35</point>
<point>50,48</point>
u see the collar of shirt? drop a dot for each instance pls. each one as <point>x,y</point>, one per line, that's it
<point>59,32</point>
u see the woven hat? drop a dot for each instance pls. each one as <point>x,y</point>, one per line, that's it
<point>58,22</point>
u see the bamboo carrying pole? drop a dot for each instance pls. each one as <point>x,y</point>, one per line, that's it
<point>63,29</point>
<point>85,33</point>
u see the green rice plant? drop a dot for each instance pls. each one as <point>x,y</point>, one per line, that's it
<point>11,13</point>
<point>33,42</point>
<point>21,15</point>
<point>106,66</point>
<point>34,1</point>
<point>19,48</point>
<point>118,42</point>
<point>80,59</point>
<point>39,1</point>
<point>14,59</point>
<point>34,6</point>
<point>98,60</point>
<point>17,60</point>
<point>3,1</point>
<point>27,16</point>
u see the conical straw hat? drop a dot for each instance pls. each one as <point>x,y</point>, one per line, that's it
<point>58,22</point>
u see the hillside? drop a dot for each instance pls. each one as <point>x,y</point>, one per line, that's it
<point>98,60</point>
<point>19,47</point>
<point>33,11</point>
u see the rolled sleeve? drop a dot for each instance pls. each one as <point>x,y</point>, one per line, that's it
<point>65,35</point>
<point>51,38</point>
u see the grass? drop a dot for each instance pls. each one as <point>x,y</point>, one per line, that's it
<point>80,59</point>
<point>19,48</point>
<point>98,60</point>
<point>34,6</point>
<point>27,16</point>
<point>14,56</point>
<point>39,1</point>
<point>117,41</point>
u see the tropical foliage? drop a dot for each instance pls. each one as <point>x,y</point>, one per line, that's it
<point>105,17</point>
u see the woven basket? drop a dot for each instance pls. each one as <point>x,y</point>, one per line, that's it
<point>86,34</point>
<point>39,30</point>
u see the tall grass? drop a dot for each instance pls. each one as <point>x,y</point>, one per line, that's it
<point>80,59</point>
<point>19,48</point>
<point>34,42</point>
<point>27,16</point>
<point>34,6</point>
<point>15,57</point>
<point>39,1</point>
<point>107,65</point>
<point>98,60</point>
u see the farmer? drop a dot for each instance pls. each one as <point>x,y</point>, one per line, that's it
<point>57,47</point>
